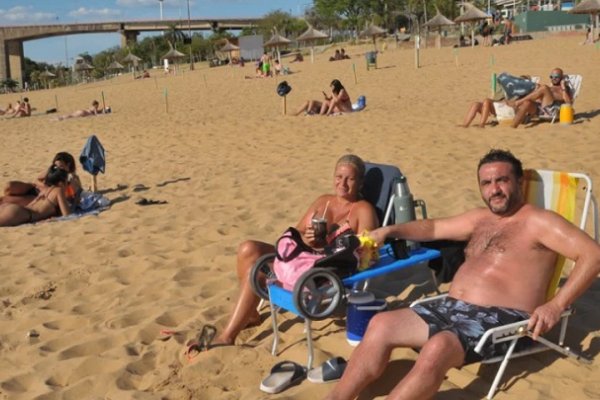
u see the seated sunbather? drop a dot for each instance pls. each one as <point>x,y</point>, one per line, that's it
<point>343,209</point>
<point>93,110</point>
<point>339,101</point>
<point>509,264</point>
<point>22,193</point>
<point>24,109</point>
<point>50,202</point>
<point>541,100</point>
<point>9,110</point>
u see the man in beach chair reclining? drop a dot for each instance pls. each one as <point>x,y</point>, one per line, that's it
<point>509,266</point>
<point>545,100</point>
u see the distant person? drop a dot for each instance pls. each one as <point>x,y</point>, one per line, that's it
<point>508,28</point>
<point>298,58</point>
<point>588,37</point>
<point>50,202</point>
<point>277,67</point>
<point>337,56</point>
<point>344,55</point>
<point>24,109</point>
<point>9,110</point>
<point>266,64</point>
<point>93,110</point>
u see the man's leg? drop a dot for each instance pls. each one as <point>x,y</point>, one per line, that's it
<point>442,352</point>
<point>386,331</point>
<point>526,108</point>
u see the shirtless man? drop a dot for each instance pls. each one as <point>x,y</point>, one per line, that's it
<point>50,202</point>
<point>93,110</point>
<point>510,257</point>
<point>544,96</point>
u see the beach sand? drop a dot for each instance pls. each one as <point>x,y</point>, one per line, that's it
<point>99,289</point>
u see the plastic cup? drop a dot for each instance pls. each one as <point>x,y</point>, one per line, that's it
<point>319,226</point>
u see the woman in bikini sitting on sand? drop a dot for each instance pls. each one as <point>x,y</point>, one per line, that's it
<point>23,193</point>
<point>50,202</point>
<point>344,211</point>
<point>338,101</point>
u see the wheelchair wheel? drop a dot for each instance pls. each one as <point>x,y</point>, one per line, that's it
<point>260,272</point>
<point>318,293</point>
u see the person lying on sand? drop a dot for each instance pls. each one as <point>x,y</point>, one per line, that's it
<point>50,202</point>
<point>93,110</point>
<point>343,208</point>
<point>22,193</point>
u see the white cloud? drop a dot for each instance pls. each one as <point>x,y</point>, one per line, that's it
<point>94,12</point>
<point>20,14</point>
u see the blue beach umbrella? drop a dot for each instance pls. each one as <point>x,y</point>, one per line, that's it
<point>92,158</point>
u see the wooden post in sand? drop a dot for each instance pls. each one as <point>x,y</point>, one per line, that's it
<point>205,84</point>
<point>417,39</point>
<point>166,101</point>
<point>284,104</point>
<point>155,83</point>
<point>56,102</point>
<point>103,103</point>
<point>354,70</point>
<point>455,51</point>
<point>493,84</point>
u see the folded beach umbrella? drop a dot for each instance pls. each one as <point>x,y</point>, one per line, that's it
<point>591,7</point>
<point>92,158</point>
<point>472,14</point>
<point>437,22</point>
<point>311,35</point>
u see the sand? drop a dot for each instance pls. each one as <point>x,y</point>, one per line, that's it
<point>99,289</point>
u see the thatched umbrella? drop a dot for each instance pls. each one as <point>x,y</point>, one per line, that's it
<point>472,14</point>
<point>47,75</point>
<point>228,48</point>
<point>311,35</point>
<point>131,59</point>
<point>276,41</point>
<point>83,68</point>
<point>373,31</point>
<point>115,66</point>
<point>173,55</point>
<point>591,7</point>
<point>437,22</point>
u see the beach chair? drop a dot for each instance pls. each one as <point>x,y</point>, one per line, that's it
<point>504,112</point>
<point>371,58</point>
<point>320,292</point>
<point>564,193</point>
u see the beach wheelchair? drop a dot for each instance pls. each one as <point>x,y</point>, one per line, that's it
<point>321,291</point>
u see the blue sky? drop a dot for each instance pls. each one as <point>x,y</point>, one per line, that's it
<point>58,49</point>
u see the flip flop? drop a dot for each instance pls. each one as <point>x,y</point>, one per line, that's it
<point>166,334</point>
<point>283,375</point>
<point>203,343</point>
<point>330,371</point>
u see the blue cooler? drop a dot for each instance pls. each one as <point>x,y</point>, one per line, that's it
<point>362,306</point>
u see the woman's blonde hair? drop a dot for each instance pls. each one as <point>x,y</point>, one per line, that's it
<point>356,162</point>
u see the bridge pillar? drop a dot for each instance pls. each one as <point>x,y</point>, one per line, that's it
<point>128,37</point>
<point>3,61</point>
<point>16,61</point>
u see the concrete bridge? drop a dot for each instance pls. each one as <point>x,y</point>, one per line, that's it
<point>12,37</point>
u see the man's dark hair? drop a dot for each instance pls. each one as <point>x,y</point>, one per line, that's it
<point>497,155</point>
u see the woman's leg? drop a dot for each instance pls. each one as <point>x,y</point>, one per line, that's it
<point>475,108</point>
<point>13,215</point>
<point>244,312</point>
<point>486,110</point>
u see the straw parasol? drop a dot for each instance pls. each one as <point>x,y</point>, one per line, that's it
<point>47,75</point>
<point>373,31</point>
<point>173,55</point>
<point>276,41</point>
<point>472,14</point>
<point>131,59</point>
<point>115,66</point>
<point>591,7</point>
<point>311,35</point>
<point>228,48</point>
<point>437,22</point>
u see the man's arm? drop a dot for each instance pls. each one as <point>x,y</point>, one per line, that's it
<point>557,234</point>
<point>566,92</point>
<point>458,228</point>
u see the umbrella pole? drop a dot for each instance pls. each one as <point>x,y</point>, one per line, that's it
<point>284,104</point>
<point>94,183</point>
<point>312,54</point>
<point>472,36</point>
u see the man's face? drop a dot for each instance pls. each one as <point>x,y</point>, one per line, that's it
<point>556,76</point>
<point>499,187</point>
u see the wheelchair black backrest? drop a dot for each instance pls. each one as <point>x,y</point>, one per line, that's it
<point>379,185</point>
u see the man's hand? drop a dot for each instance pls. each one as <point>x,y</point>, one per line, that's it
<point>378,235</point>
<point>544,318</point>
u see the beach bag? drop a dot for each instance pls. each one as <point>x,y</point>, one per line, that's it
<point>293,257</point>
<point>514,86</point>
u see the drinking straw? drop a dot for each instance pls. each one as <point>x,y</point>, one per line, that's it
<point>325,211</point>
